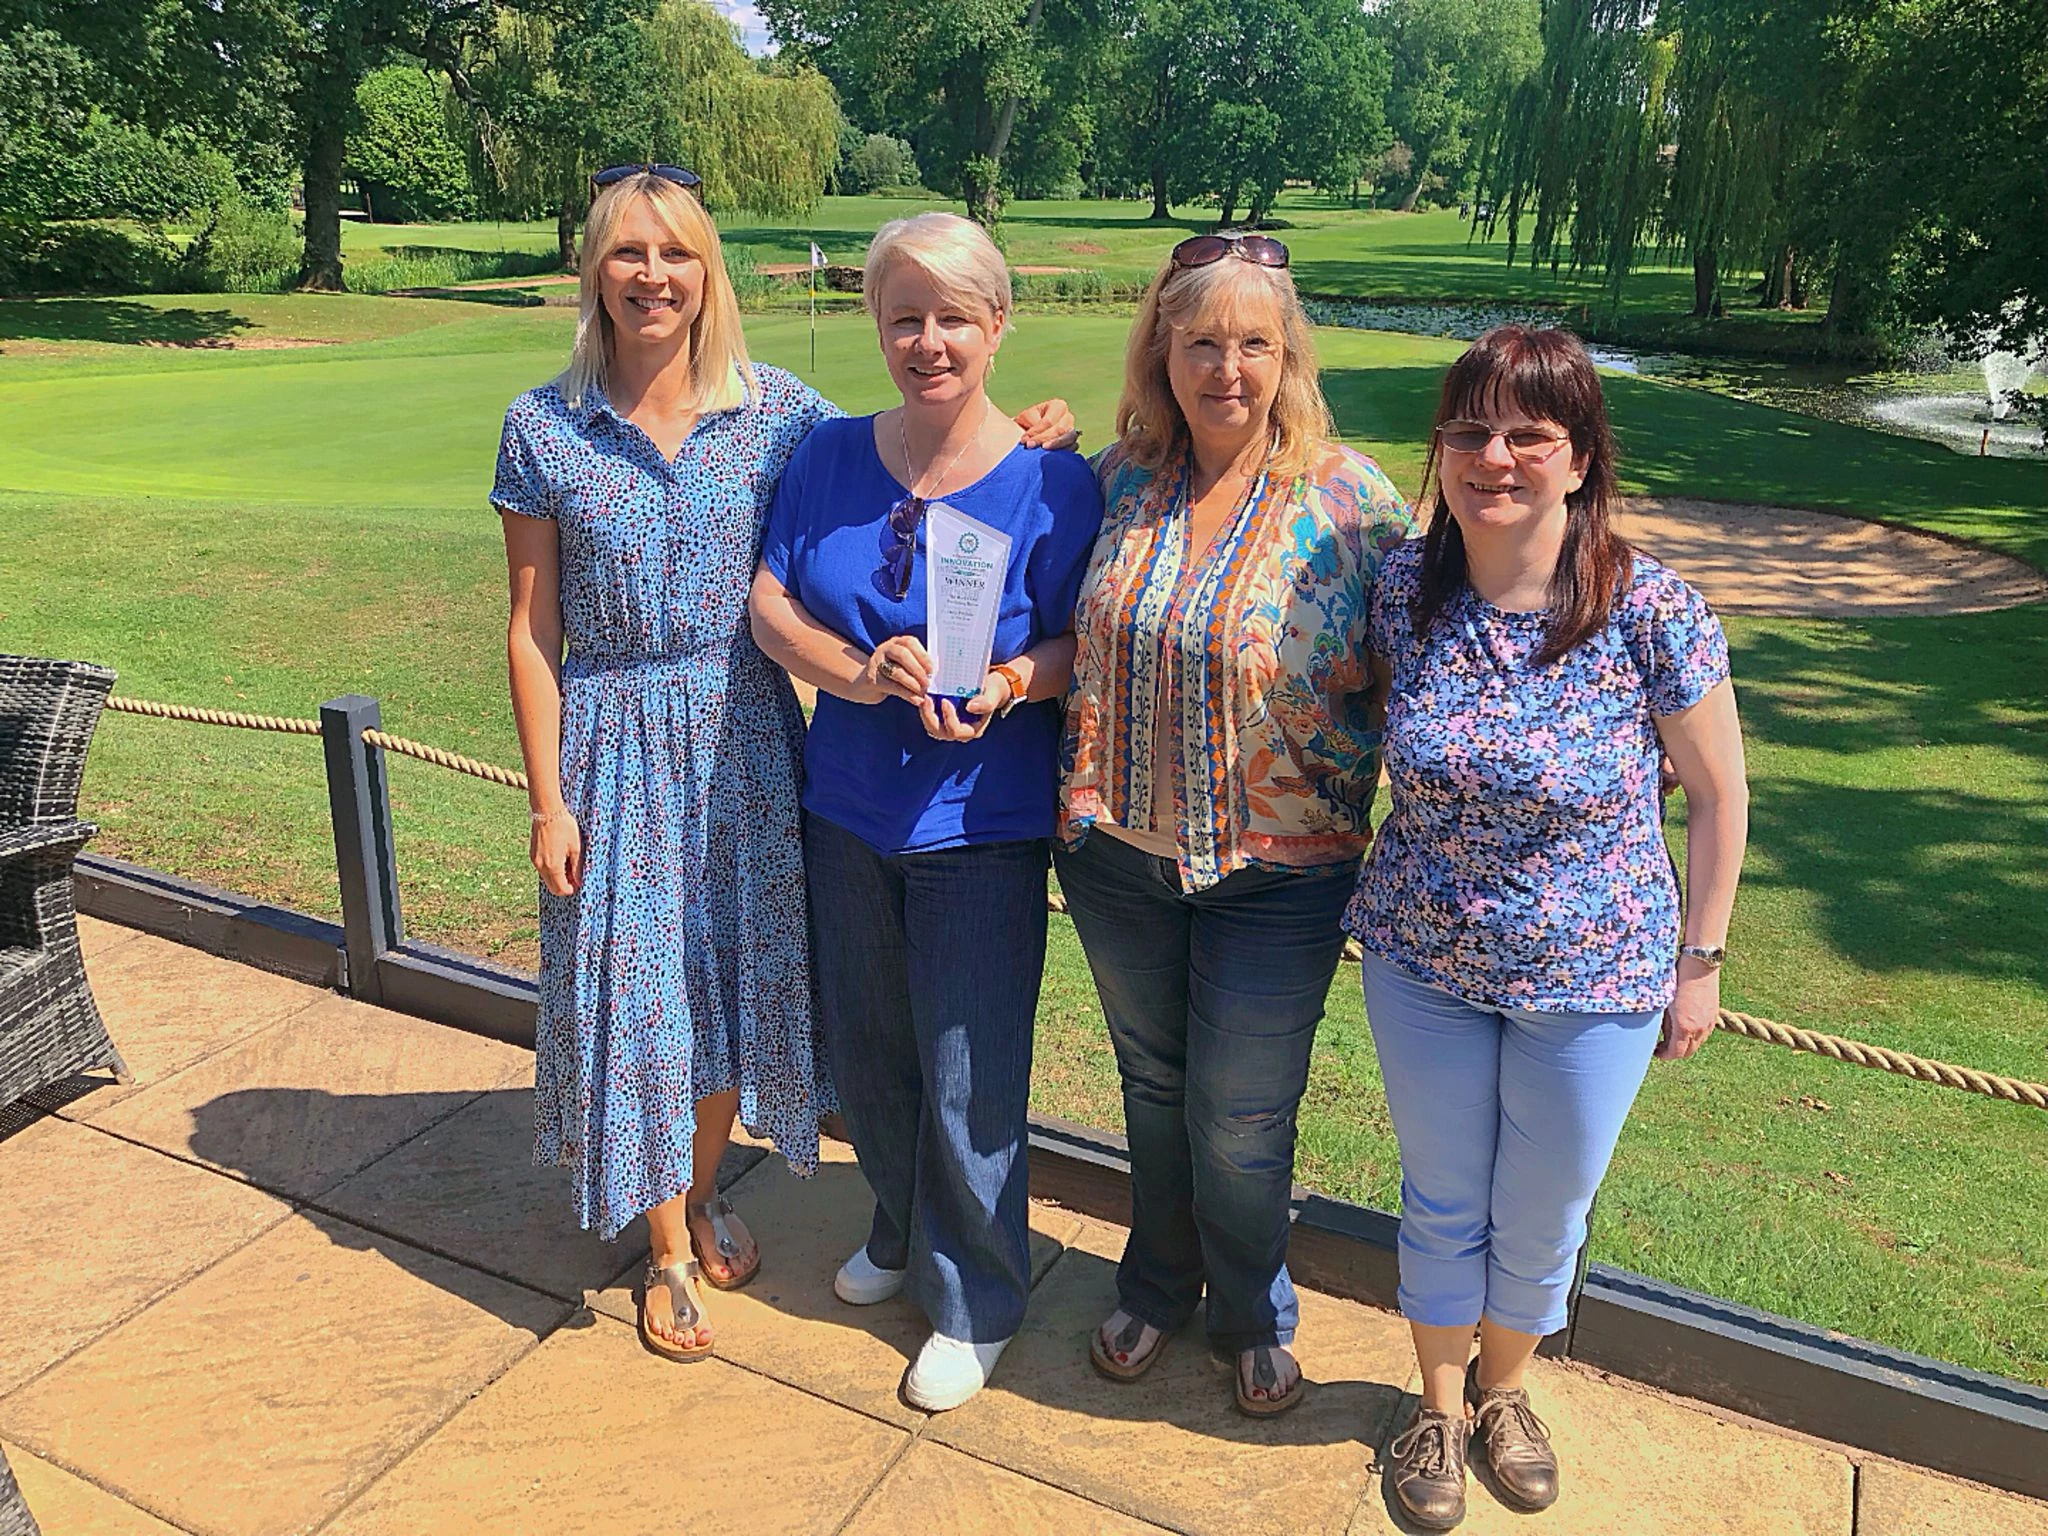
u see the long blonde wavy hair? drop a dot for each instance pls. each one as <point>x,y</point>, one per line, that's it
<point>721,373</point>
<point>1149,423</point>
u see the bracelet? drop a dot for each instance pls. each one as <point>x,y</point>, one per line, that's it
<point>1709,955</point>
<point>1009,675</point>
<point>548,818</point>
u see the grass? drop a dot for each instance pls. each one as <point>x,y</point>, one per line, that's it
<point>261,530</point>
<point>1335,248</point>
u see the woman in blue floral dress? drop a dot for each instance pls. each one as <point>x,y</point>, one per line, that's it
<point>1520,919</point>
<point>663,750</point>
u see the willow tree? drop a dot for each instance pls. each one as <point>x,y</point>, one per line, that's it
<point>632,80</point>
<point>1578,146</point>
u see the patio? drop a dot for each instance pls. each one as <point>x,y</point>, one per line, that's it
<point>300,1276</point>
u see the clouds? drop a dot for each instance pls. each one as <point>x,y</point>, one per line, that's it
<point>753,28</point>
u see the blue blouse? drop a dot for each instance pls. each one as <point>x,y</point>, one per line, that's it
<point>870,768</point>
<point>1523,863</point>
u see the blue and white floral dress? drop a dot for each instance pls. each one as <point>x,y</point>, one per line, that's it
<point>681,968</point>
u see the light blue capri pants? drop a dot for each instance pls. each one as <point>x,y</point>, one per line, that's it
<point>1506,1120</point>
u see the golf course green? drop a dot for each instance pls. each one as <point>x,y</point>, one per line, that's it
<point>303,514</point>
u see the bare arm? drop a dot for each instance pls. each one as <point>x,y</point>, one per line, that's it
<point>1704,744</point>
<point>1046,669</point>
<point>533,651</point>
<point>810,652</point>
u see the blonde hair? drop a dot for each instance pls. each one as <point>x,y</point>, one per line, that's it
<point>721,373</point>
<point>1149,422</point>
<point>955,253</point>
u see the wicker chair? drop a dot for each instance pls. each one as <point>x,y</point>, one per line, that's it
<point>49,1025</point>
<point>15,1520</point>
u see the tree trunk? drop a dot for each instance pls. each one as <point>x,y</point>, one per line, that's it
<point>1848,300</point>
<point>1421,165</point>
<point>985,202</point>
<point>1160,210</point>
<point>565,235</point>
<point>1795,276</point>
<point>1706,280</point>
<point>325,104</point>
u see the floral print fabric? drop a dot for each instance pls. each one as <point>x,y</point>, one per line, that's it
<point>1522,863</point>
<point>682,966</point>
<point>1255,655</point>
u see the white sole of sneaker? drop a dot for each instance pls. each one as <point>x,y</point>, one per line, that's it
<point>867,1293</point>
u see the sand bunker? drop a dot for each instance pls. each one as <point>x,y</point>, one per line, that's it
<point>1775,560</point>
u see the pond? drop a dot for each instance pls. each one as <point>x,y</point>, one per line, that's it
<point>1949,405</point>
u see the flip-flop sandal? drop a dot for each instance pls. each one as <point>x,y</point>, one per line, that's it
<point>684,1300</point>
<point>1107,1363</point>
<point>729,1247</point>
<point>1264,1374</point>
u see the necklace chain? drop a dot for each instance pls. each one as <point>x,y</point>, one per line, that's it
<point>903,437</point>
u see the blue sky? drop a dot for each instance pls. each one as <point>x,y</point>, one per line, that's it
<point>753,30</point>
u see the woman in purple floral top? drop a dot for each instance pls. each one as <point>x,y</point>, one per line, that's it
<point>1519,912</point>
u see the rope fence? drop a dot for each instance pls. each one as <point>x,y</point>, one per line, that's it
<point>1856,1053</point>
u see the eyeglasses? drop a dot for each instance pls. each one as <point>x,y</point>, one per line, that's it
<point>1206,250</point>
<point>899,547</point>
<point>1528,444</point>
<point>689,181</point>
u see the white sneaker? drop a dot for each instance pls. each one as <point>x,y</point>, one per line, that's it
<point>947,1372</point>
<point>861,1282</point>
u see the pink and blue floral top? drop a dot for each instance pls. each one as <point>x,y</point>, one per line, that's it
<point>1522,863</point>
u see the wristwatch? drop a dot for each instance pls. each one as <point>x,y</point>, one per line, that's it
<point>1709,955</point>
<point>1009,675</point>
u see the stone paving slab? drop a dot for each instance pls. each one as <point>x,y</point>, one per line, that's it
<point>260,1395</point>
<point>1172,1448</point>
<point>468,1188</point>
<point>1634,1461</point>
<point>299,1108</point>
<point>787,1324</point>
<point>937,1490</point>
<point>167,1007</point>
<point>70,1506</point>
<point>1892,1500</point>
<point>96,936</point>
<point>85,1190</point>
<point>590,1433</point>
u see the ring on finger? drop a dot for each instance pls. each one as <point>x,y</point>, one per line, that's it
<point>888,668</point>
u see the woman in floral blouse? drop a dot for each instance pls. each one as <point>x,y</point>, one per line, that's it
<point>1220,761</point>
<point>1520,917</point>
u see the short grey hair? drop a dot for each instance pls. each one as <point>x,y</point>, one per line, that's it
<point>955,253</point>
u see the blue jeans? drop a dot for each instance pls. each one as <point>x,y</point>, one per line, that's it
<point>1506,1120</point>
<point>928,967</point>
<point>1213,998</point>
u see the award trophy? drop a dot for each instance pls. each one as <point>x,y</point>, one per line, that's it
<point>965,562</point>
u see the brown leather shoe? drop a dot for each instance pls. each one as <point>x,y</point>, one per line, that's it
<point>1516,1442</point>
<point>1426,1464</point>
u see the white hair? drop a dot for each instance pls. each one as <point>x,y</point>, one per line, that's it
<point>955,253</point>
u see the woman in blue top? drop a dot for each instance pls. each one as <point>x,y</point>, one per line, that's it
<point>1519,915</point>
<point>661,750</point>
<point>927,826</point>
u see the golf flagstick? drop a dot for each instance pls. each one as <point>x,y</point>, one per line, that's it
<point>817,261</point>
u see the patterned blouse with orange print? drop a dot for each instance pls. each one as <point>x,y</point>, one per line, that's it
<point>1245,672</point>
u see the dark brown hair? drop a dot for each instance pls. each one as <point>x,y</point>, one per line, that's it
<point>1546,374</point>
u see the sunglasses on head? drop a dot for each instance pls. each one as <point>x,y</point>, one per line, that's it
<point>689,181</point>
<point>1206,250</point>
<point>899,547</point>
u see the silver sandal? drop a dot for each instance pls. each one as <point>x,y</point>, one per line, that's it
<point>714,1211</point>
<point>685,1301</point>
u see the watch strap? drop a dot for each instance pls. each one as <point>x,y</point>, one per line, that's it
<point>1009,675</point>
<point>1709,955</point>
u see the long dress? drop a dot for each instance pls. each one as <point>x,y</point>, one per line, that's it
<point>681,968</point>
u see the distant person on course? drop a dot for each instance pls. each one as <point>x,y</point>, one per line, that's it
<point>1526,948</point>
<point>663,750</point>
<point>927,823</point>
<point>1221,753</point>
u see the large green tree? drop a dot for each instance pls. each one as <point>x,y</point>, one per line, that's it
<point>951,76</point>
<point>1451,61</point>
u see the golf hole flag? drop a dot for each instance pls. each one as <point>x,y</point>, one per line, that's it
<point>817,256</point>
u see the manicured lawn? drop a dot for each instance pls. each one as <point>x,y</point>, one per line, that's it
<point>265,529</point>
<point>1336,249</point>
